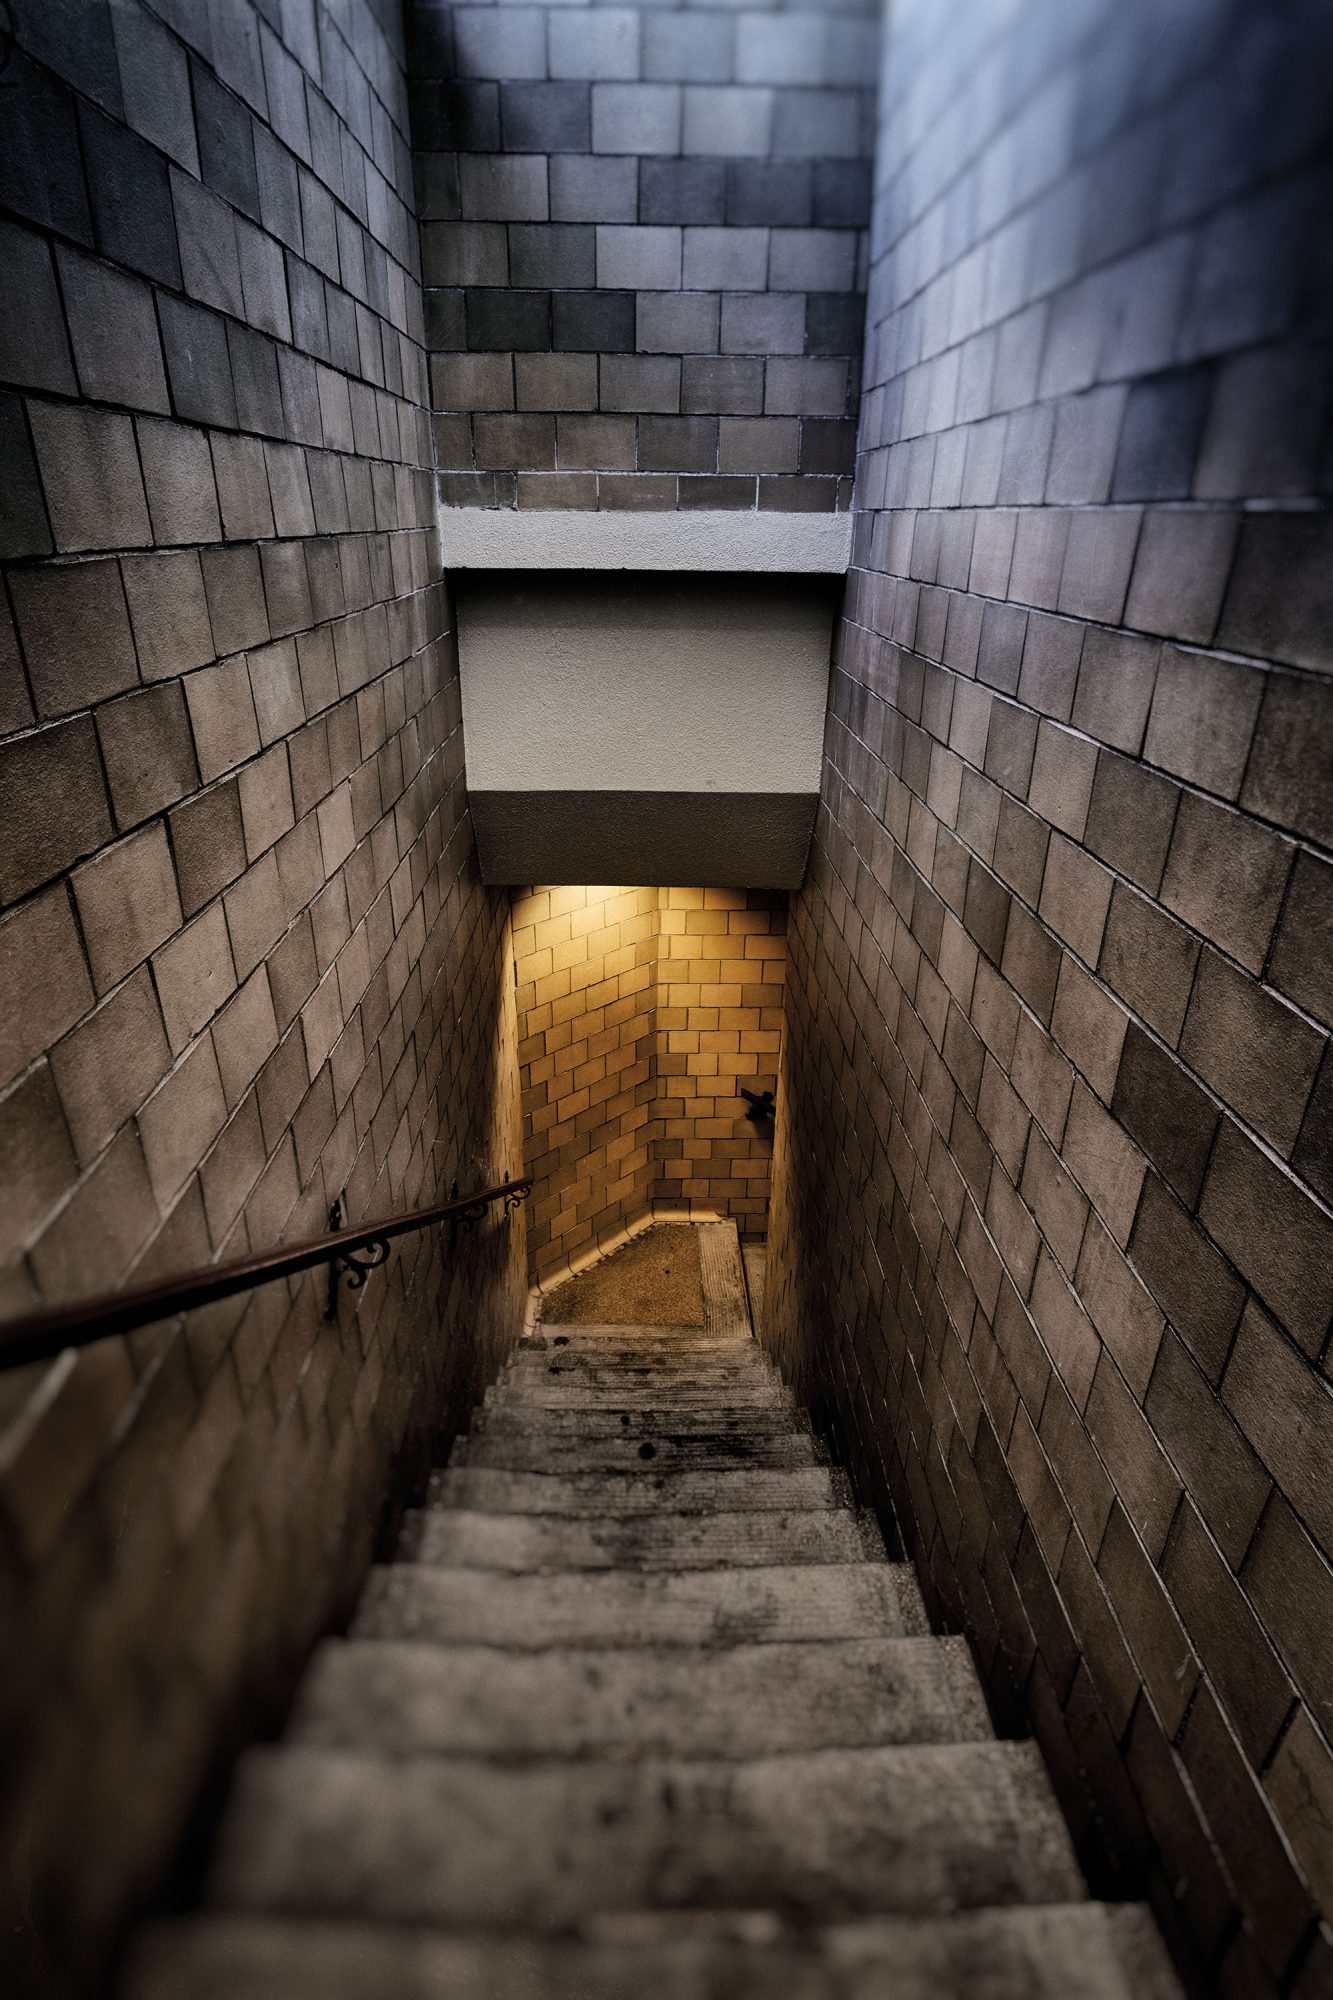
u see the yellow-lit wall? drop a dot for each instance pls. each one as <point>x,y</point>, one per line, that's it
<point>641,1013</point>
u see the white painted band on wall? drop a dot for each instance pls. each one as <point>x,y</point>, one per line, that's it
<point>505,538</point>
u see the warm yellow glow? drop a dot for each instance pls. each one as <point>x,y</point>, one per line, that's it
<point>641,1013</point>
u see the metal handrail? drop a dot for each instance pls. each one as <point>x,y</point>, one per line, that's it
<point>40,1336</point>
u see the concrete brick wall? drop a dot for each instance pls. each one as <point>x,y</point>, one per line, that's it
<point>641,1014</point>
<point>245,961</point>
<point>644,250</point>
<point>1052,1242</point>
<point>585,971</point>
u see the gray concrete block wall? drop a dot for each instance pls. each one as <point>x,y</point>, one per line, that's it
<point>1053,1217</point>
<point>246,964</point>
<point>641,229</point>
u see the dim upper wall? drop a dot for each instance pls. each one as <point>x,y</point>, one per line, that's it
<point>644,247</point>
<point>648,728</point>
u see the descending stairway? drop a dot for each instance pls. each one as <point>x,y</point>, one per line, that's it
<point>642,1708</point>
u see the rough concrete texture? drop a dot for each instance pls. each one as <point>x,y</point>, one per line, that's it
<point>576,1748</point>
<point>1051,1236</point>
<point>653,1281</point>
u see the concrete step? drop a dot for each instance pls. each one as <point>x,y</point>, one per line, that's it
<point>647,1419</point>
<point>399,1698</point>
<point>638,1540</point>
<point>627,1608</point>
<point>1060,1951</point>
<point>596,1446</point>
<point>751,1489</point>
<point>683,1343</point>
<point>568,1352</point>
<point>661,1389</point>
<point>832,1834</point>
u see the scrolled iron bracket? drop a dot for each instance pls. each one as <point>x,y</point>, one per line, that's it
<point>512,1197</point>
<point>354,1265</point>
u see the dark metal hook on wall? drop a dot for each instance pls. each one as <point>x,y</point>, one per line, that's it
<point>762,1105</point>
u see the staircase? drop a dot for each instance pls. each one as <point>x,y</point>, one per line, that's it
<point>642,1708</point>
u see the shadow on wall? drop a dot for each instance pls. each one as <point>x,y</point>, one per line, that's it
<point>642,1013</point>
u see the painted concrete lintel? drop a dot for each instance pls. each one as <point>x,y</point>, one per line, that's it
<point>509,538</point>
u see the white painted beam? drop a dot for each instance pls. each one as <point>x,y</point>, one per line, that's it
<point>507,538</point>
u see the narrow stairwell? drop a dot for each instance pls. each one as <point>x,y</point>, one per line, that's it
<point>642,1708</point>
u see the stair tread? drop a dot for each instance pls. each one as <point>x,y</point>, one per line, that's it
<point>595,1419</point>
<point>1049,1951</point>
<point>924,1830</point>
<point>529,1447</point>
<point>542,1393</point>
<point>642,1540</point>
<point>634,1608</point>
<point>727,1489</point>
<point>397,1697</point>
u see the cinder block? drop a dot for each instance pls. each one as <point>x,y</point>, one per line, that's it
<point>597,45</point>
<point>636,118</point>
<point>762,325</point>
<point>90,476</point>
<point>209,844</point>
<point>593,322</point>
<point>812,260</point>
<point>75,632</point>
<point>472,381</point>
<point>678,323</point>
<point>1285,779</point>
<point>727,121</point>
<point>770,193</point>
<point>548,118</point>
<point>500,42</point>
<point>726,385</point>
<point>127,903</point>
<point>638,259</point>
<point>148,752</point>
<point>640,383</point>
<point>464,253</point>
<point>222,717</point>
<point>43,976</point>
<point>588,188</point>
<point>234,589</point>
<point>130,196</point>
<point>692,46</point>
<point>255,382</point>
<point>242,487</point>
<point>226,144</point>
<point>730,259</point>
<point>1117,675</point>
<point>515,443</point>
<point>681,191</point>
<point>112,1062</point>
<point>759,444</point>
<point>554,254</point>
<point>604,443</point>
<point>155,82</point>
<point>1278,600</point>
<point>815,388</point>
<point>678,444</point>
<point>817,124</point>
<point>556,381</point>
<point>496,187</point>
<point>34,347</point>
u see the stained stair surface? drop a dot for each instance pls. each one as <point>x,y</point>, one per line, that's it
<point>642,1708</point>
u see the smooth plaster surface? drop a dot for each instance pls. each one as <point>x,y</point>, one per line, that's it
<point>775,543</point>
<point>661,685</point>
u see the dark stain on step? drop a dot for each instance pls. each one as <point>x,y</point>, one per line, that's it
<point>647,1451</point>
